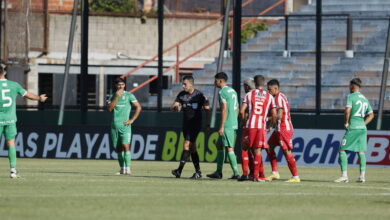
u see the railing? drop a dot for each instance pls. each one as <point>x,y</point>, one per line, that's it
<point>177,47</point>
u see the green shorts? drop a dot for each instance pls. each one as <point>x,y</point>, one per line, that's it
<point>9,131</point>
<point>228,139</point>
<point>355,140</point>
<point>120,135</point>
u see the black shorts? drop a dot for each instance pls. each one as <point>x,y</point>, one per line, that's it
<point>190,132</point>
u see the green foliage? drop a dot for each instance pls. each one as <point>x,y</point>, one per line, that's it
<point>251,30</point>
<point>124,6</point>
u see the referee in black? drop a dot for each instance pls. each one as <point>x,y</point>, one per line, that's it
<point>191,101</point>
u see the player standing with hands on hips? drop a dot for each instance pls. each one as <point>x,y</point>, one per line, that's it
<point>9,91</point>
<point>119,103</point>
<point>358,113</point>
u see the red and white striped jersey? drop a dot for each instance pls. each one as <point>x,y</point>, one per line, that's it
<point>259,103</point>
<point>284,123</point>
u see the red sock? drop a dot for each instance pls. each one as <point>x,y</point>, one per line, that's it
<point>261,168</point>
<point>256,165</point>
<point>273,160</point>
<point>244,162</point>
<point>292,165</point>
<point>251,164</point>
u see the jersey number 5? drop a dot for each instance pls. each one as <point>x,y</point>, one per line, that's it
<point>361,110</point>
<point>7,99</point>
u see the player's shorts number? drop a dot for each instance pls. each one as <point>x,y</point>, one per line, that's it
<point>362,109</point>
<point>6,98</point>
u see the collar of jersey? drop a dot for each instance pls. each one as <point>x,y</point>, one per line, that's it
<point>3,79</point>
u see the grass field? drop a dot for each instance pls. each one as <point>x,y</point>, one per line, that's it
<point>87,189</point>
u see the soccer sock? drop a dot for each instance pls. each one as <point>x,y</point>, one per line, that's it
<point>184,158</point>
<point>233,162</point>
<point>127,159</point>
<point>121,159</point>
<point>261,167</point>
<point>343,160</point>
<point>256,165</point>
<point>244,162</point>
<point>292,165</point>
<point>220,160</point>
<point>195,161</point>
<point>251,165</point>
<point>273,160</point>
<point>362,160</point>
<point>12,156</point>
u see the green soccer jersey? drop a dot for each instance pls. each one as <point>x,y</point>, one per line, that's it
<point>122,108</point>
<point>9,91</point>
<point>228,96</point>
<point>360,107</point>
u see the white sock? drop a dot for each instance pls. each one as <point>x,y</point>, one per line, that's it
<point>344,174</point>
<point>275,172</point>
<point>362,174</point>
<point>296,177</point>
<point>13,170</point>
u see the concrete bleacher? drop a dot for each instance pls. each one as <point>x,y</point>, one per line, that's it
<point>264,55</point>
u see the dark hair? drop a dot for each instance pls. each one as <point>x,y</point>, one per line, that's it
<point>273,82</point>
<point>119,80</point>
<point>356,81</point>
<point>221,75</point>
<point>3,67</point>
<point>259,80</point>
<point>189,78</point>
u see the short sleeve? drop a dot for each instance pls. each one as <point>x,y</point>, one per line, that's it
<point>178,98</point>
<point>349,102</point>
<point>369,109</point>
<point>132,98</point>
<point>272,100</point>
<point>205,100</point>
<point>278,102</point>
<point>222,98</point>
<point>20,90</point>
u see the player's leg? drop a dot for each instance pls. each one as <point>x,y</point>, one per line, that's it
<point>185,155</point>
<point>244,155</point>
<point>273,142</point>
<point>362,156</point>
<point>118,149</point>
<point>220,159</point>
<point>195,161</point>
<point>229,146</point>
<point>292,165</point>
<point>126,139</point>
<point>258,143</point>
<point>10,134</point>
<point>348,143</point>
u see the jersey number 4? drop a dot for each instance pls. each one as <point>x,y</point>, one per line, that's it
<point>7,99</point>
<point>362,109</point>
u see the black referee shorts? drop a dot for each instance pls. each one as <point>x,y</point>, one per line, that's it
<point>190,132</point>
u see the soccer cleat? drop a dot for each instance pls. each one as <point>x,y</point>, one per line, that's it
<point>361,180</point>
<point>215,175</point>
<point>261,180</point>
<point>176,173</point>
<point>127,171</point>
<point>274,176</point>
<point>244,178</point>
<point>120,172</point>
<point>196,175</point>
<point>342,179</point>
<point>234,177</point>
<point>293,180</point>
<point>14,174</point>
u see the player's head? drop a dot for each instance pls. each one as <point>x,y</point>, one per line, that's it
<point>273,87</point>
<point>249,84</point>
<point>120,83</point>
<point>3,68</point>
<point>220,79</point>
<point>354,85</point>
<point>259,81</point>
<point>188,83</point>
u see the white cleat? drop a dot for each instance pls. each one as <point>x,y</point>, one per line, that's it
<point>361,180</point>
<point>127,171</point>
<point>342,179</point>
<point>120,172</point>
<point>14,174</point>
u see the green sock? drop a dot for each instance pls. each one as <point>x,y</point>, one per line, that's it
<point>120,159</point>
<point>343,160</point>
<point>233,162</point>
<point>127,159</point>
<point>12,156</point>
<point>220,160</point>
<point>362,159</point>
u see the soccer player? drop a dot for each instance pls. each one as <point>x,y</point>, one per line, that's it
<point>259,102</point>
<point>228,126</point>
<point>191,101</point>
<point>358,113</point>
<point>246,154</point>
<point>9,91</point>
<point>119,103</point>
<point>282,135</point>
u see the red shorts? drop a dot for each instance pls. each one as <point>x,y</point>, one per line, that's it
<point>245,137</point>
<point>257,138</point>
<point>282,139</point>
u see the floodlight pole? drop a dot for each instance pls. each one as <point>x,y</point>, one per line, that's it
<point>384,80</point>
<point>236,73</point>
<point>67,62</point>
<point>160,53</point>
<point>84,57</point>
<point>318,56</point>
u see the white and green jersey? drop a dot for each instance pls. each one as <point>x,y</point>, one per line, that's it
<point>228,96</point>
<point>9,90</point>
<point>360,108</point>
<point>122,109</point>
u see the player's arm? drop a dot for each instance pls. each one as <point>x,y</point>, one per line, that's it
<point>347,114</point>
<point>31,96</point>
<point>223,118</point>
<point>175,106</point>
<point>111,105</point>
<point>206,108</point>
<point>243,115</point>
<point>274,118</point>
<point>138,109</point>
<point>369,118</point>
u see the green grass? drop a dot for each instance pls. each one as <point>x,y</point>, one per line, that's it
<point>87,189</point>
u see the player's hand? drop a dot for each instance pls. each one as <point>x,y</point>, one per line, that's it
<point>176,108</point>
<point>42,98</point>
<point>220,131</point>
<point>119,92</point>
<point>346,125</point>
<point>128,122</point>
